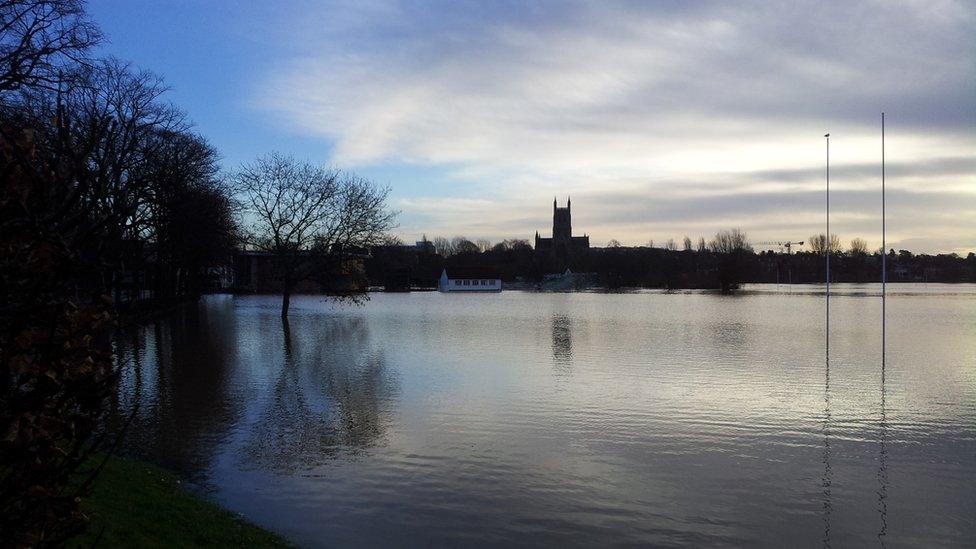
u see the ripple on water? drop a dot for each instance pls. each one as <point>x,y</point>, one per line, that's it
<point>572,419</point>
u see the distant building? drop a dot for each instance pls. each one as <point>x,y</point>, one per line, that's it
<point>563,244</point>
<point>401,267</point>
<point>258,272</point>
<point>469,281</point>
<point>425,246</point>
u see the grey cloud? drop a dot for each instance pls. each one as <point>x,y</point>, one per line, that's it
<point>625,207</point>
<point>589,94</point>
<point>935,167</point>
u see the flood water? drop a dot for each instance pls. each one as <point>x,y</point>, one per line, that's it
<point>577,419</point>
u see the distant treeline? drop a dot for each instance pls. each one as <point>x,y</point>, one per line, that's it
<point>721,263</point>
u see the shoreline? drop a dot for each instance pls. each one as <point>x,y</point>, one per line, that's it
<point>137,504</point>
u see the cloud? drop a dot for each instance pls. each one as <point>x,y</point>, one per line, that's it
<point>693,103</point>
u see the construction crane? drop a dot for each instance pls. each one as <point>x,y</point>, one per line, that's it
<point>788,245</point>
<point>789,249</point>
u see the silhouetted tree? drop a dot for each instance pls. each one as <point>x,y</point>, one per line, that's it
<point>687,244</point>
<point>191,220</point>
<point>443,246</point>
<point>513,244</point>
<point>858,247</point>
<point>461,245</point>
<point>40,40</point>
<point>818,244</point>
<point>307,216</point>
<point>613,243</point>
<point>105,130</point>
<point>483,244</point>
<point>732,246</point>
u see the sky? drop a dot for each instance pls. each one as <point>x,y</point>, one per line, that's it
<point>660,119</point>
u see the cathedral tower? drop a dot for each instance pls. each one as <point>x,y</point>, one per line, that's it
<point>563,245</point>
<point>562,221</point>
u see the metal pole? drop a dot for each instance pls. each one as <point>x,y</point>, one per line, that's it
<point>884,270</point>
<point>828,242</point>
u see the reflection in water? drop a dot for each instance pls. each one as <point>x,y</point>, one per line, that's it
<point>827,478</point>
<point>326,399</point>
<point>176,385</point>
<point>883,450</point>
<point>562,342</point>
<point>286,336</point>
<point>689,420</point>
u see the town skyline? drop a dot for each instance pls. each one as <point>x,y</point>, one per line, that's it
<point>660,120</point>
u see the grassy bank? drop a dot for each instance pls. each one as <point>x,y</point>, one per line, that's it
<point>135,504</point>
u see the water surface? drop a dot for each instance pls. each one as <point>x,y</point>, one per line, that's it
<point>580,419</point>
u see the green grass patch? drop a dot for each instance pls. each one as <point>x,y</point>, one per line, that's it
<point>135,504</point>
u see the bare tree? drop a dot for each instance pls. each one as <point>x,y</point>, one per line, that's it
<point>818,244</point>
<point>103,132</point>
<point>483,244</point>
<point>731,241</point>
<point>687,244</point>
<point>462,245</point>
<point>649,243</point>
<point>858,247</point>
<point>191,221</point>
<point>40,40</point>
<point>308,217</point>
<point>732,246</point>
<point>112,122</point>
<point>702,246</point>
<point>512,245</point>
<point>613,243</point>
<point>670,245</point>
<point>443,246</point>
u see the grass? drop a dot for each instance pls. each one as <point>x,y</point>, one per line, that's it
<point>135,504</point>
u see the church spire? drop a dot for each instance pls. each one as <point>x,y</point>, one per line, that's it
<point>569,202</point>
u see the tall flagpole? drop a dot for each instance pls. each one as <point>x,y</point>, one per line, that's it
<point>827,241</point>
<point>883,454</point>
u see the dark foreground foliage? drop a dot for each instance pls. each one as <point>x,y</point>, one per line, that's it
<point>106,197</point>
<point>55,353</point>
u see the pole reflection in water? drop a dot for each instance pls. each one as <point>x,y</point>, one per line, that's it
<point>883,464</point>
<point>883,435</point>
<point>826,480</point>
